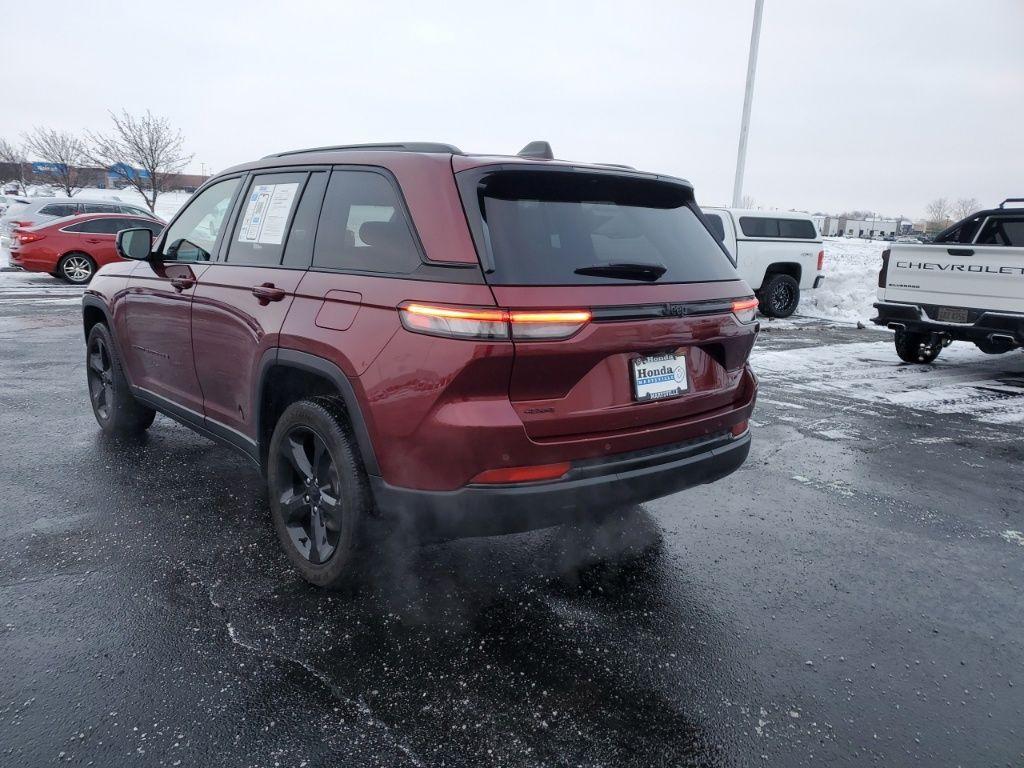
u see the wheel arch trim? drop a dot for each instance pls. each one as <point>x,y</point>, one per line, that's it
<point>303,361</point>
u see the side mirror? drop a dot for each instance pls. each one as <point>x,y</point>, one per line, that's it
<point>134,244</point>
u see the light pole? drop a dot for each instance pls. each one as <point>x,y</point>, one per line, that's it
<point>748,97</point>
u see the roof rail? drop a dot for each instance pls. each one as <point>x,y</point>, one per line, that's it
<point>617,165</point>
<point>1011,200</point>
<point>540,150</point>
<point>407,146</point>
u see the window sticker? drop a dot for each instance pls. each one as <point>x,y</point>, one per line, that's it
<point>266,215</point>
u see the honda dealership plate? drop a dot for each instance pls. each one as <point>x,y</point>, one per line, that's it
<point>659,376</point>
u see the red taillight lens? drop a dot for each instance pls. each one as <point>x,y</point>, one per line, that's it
<point>491,323</point>
<point>745,309</point>
<point>821,260</point>
<point>27,237</point>
<point>738,429</point>
<point>532,474</point>
<point>883,273</point>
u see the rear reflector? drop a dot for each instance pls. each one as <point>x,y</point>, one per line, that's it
<point>738,429</point>
<point>492,323</point>
<point>821,260</point>
<point>523,474</point>
<point>745,309</point>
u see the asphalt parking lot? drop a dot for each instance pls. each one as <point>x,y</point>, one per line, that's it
<point>853,595</point>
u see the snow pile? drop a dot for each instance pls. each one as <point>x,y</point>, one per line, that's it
<point>851,281</point>
<point>167,204</point>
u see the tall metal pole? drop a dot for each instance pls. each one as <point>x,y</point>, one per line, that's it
<point>748,97</point>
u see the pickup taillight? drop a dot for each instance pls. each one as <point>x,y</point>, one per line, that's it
<point>821,260</point>
<point>884,271</point>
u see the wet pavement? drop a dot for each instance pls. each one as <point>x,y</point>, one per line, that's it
<point>853,595</point>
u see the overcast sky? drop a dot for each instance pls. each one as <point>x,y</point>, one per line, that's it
<point>873,104</point>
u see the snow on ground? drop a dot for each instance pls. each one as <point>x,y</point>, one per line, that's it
<point>989,388</point>
<point>851,281</point>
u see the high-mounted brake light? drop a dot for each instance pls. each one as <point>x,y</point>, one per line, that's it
<point>821,260</point>
<point>532,474</point>
<point>491,323</point>
<point>745,310</point>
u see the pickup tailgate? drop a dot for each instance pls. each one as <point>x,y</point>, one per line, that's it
<point>973,276</point>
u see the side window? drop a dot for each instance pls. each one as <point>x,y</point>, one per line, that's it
<point>92,227</point>
<point>755,226</point>
<point>797,229</point>
<point>363,226</point>
<point>1007,231</point>
<point>98,208</point>
<point>153,226</point>
<point>298,251</point>
<point>262,224</point>
<point>193,234</point>
<point>59,209</point>
<point>717,227</point>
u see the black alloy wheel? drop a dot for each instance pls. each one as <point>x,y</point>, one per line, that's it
<point>101,377</point>
<point>310,495</point>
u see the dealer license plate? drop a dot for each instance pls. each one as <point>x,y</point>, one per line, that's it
<point>659,376</point>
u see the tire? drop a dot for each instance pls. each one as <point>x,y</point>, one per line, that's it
<point>914,348</point>
<point>779,296</point>
<point>320,497</point>
<point>115,408</point>
<point>76,268</point>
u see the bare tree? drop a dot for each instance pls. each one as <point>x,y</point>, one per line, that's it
<point>938,213</point>
<point>964,207</point>
<point>62,151</point>
<point>748,201</point>
<point>144,143</point>
<point>13,164</point>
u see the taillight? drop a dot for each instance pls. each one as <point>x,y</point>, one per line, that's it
<point>745,310</point>
<point>883,273</point>
<point>27,237</point>
<point>492,323</point>
<point>821,260</point>
<point>532,474</point>
<point>739,429</point>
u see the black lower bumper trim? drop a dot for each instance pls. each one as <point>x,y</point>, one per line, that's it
<point>590,488</point>
<point>986,326</point>
<point>818,281</point>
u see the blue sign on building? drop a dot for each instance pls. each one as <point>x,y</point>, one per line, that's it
<point>44,168</point>
<point>125,171</point>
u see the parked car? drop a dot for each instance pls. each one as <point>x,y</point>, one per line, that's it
<point>780,254</point>
<point>39,210</point>
<point>463,345</point>
<point>6,201</point>
<point>73,248</point>
<point>967,285</point>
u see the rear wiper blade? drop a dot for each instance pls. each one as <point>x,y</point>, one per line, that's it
<point>627,271</point>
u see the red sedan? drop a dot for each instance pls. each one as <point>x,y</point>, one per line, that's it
<point>73,248</point>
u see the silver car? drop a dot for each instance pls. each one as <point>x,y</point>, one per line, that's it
<point>31,211</point>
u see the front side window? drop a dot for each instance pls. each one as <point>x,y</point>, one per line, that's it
<point>574,228</point>
<point>363,226</point>
<point>266,212</point>
<point>193,235</point>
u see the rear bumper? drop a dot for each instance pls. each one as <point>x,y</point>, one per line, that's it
<point>589,488</point>
<point>982,326</point>
<point>818,281</point>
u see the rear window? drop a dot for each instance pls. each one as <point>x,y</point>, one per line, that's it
<point>572,228</point>
<point>790,229</point>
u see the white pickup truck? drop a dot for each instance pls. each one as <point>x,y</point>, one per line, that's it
<point>778,254</point>
<point>967,285</point>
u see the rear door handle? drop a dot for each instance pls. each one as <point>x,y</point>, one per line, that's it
<point>93,240</point>
<point>267,293</point>
<point>960,251</point>
<point>182,283</point>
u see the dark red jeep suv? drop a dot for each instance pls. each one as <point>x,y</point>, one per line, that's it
<point>468,344</point>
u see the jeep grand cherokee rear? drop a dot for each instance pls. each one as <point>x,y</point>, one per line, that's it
<point>473,345</point>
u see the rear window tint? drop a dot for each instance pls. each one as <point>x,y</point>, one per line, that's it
<point>763,226</point>
<point>543,228</point>
<point>363,226</point>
